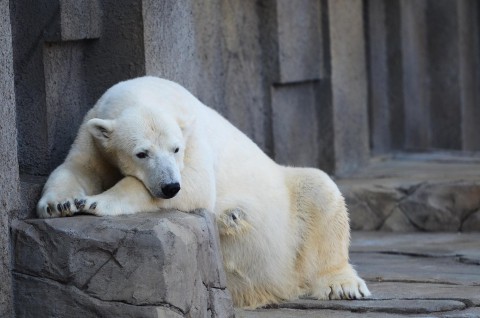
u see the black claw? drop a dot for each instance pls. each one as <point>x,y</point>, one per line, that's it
<point>60,207</point>
<point>66,206</point>
<point>330,296</point>
<point>49,211</point>
<point>79,204</point>
<point>93,206</point>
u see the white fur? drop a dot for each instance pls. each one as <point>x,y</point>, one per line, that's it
<point>284,231</point>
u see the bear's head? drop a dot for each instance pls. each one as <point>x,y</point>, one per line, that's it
<point>147,145</point>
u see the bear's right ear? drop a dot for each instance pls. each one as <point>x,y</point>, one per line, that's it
<point>100,128</point>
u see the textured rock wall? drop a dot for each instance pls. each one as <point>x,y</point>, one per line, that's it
<point>9,178</point>
<point>165,264</point>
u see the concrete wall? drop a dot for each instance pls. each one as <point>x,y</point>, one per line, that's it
<point>324,83</point>
<point>423,75</point>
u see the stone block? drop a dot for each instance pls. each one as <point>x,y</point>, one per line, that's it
<point>128,266</point>
<point>348,85</point>
<point>50,77</point>
<point>472,222</point>
<point>369,204</point>
<point>415,76</point>
<point>295,124</point>
<point>443,67</point>
<point>469,48</point>
<point>66,96</point>
<point>441,206</point>
<point>76,20</point>
<point>300,41</point>
<point>386,109</point>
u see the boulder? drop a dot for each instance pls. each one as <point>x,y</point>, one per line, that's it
<point>165,264</point>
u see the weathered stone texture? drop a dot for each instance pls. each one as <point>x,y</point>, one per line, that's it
<point>9,178</point>
<point>66,78</point>
<point>414,195</point>
<point>469,47</point>
<point>296,144</point>
<point>76,20</point>
<point>349,90</point>
<point>300,40</point>
<point>442,22</point>
<point>128,266</point>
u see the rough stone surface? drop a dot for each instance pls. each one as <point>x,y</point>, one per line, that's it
<point>349,90</point>
<point>76,20</point>
<point>407,279</point>
<point>66,78</point>
<point>442,23</point>
<point>439,193</point>
<point>299,40</point>
<point>415,82</point>
<point>296,144</point>
<point>129,266</point>
<point>9,179</point>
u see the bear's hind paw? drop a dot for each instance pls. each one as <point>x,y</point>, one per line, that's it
<point>343,285</point>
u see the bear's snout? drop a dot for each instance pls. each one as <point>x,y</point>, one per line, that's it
<point>170,190</point>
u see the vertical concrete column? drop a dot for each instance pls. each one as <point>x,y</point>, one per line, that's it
<point>295,95</point>
<point>348,84</point>
<point>415,78</point>
<point>443,54</point>
<point>385,75</point>
<point>467,15</point>
<point>9,177</point>
<point>377,45</point>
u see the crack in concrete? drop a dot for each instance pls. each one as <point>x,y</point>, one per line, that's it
<point>112,257</point>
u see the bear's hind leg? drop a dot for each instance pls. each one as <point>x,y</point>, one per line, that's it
<point>325,230</point>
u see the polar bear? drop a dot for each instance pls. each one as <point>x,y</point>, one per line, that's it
<point>149,144</point>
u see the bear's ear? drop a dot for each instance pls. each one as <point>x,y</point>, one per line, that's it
<point>100,128</point>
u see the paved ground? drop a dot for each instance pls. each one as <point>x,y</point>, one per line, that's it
<point>410,275</point>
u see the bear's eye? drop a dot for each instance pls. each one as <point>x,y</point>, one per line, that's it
<point>176,150</point>
<point>142,155</point>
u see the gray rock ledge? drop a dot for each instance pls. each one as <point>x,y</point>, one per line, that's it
<point>165,264</point>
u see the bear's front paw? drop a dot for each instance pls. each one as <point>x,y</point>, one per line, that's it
<point>56,208</point>
<point>86,205</point>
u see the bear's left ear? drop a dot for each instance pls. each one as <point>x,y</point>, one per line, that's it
<point>101,129</point>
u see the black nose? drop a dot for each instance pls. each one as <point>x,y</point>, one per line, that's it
<point>171,189</point>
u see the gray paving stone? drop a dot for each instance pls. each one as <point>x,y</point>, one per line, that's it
<point>398,306</point>
<point>391,267</point>
<point>292,313</point>
<point>404,290</point>
<point>461,245</point>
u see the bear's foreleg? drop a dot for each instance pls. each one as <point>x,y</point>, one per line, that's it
<point>128,196</point>
<point>65,184</point>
